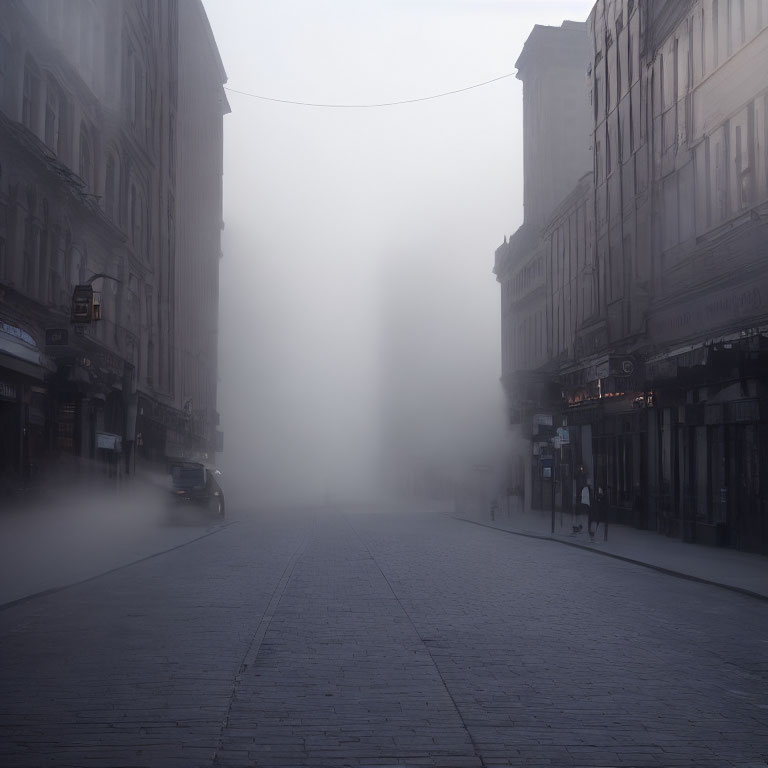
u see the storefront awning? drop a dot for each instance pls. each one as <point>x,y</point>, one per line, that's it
<point>25,368</point>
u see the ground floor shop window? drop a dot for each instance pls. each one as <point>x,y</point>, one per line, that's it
<point>66,422</point>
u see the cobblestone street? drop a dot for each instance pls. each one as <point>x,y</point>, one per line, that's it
<point>379,638</point>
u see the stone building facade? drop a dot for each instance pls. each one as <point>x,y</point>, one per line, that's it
<point>89,104</point>
<point>556,153</point>
<point>199,222</point>
<point>662,390</point>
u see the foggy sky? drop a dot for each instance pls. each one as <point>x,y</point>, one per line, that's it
<point>359,315</point>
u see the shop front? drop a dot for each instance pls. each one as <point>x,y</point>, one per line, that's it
<point>607,422</point>
<point>23,408</point>
<point>710,434</point>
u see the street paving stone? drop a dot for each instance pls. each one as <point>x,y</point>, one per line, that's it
<point>365,637</point>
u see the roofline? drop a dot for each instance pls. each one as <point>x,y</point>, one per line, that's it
<point>211,39</point>
<point>540,32</point>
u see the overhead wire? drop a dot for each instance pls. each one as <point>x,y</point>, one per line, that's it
<point>368,106</point>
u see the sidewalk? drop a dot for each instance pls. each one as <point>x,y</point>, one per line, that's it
<point>61,535</point>
<point>738,571</point>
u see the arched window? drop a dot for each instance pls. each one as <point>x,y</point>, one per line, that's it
<point>54,102</point>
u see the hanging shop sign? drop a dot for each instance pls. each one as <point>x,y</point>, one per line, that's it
<point>82,304</point>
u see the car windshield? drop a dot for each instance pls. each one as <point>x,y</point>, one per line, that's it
<point>188,477</point>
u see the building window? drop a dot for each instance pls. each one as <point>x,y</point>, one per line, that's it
<point>54,275</point>
<point>596,91</point>
<point>150,362</point>
<point>137,220</point>
<point>715,33</point>
<point>742,141</point>
<point>3,236</point>
<point>5,52</point>
<point>128,78</point>
<point>53,103</point>
<point>741,168</point>
<point>30,252</point>
<point>68,254</point>
<point>86,157</point>
<point>599,161</point>
<point>138,94</point>
<point>30,95</point>
<point>77,266</point>
<point>172,143</point>
<point>135,87</point>
<point>3,226</point>
<point>134,204</point>
<point>42,256</point>
<point>111,188</point>
<point>87,16</point>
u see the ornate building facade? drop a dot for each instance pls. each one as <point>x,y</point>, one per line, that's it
<point>660,389</point>
<point>89,109</point>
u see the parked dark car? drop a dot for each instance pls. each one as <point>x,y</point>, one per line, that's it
<point>196,485</point>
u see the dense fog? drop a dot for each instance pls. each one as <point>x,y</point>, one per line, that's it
<point>359,339</point>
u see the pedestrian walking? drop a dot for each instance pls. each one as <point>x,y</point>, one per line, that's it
<point>582,508</point>
<point>596,512</point>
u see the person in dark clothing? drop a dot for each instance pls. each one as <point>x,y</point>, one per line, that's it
<point>596,512</point>
<point>582,507</point>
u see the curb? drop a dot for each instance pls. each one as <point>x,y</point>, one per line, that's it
<point>53,590</point>
<point>644,564</point>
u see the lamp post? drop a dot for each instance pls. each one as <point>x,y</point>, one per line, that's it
<point>86,310</point>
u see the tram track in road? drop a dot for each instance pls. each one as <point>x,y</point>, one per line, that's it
<point>211,531</point>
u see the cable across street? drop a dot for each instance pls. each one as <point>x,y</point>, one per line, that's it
<point>369,106</point>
